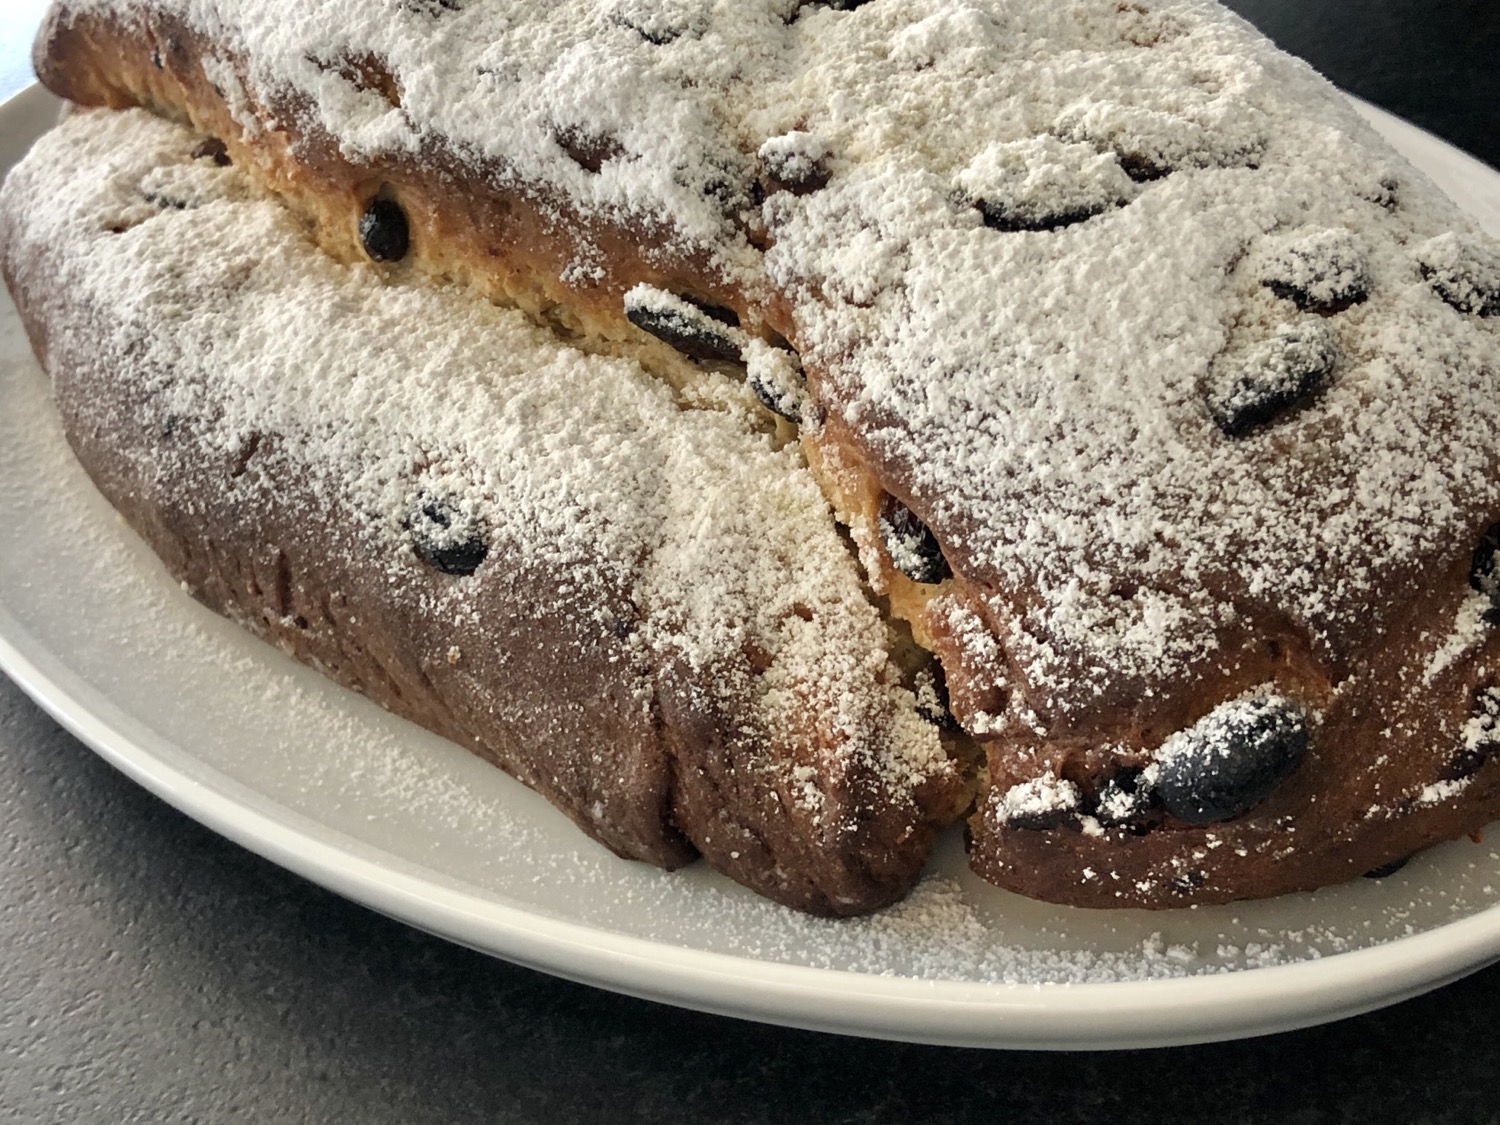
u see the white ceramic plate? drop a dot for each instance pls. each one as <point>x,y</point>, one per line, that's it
<point>327,785</point>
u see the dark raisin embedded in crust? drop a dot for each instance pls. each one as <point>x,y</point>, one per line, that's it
<point>1288,369</point>
<point>1464,271</point>
<point>1188,882</point>
<point>699,331</point>
<point>1479,741</point>
<point>1231,760</point>
<point>998,217</point>
<point>774,376</point>
<point>211,148</point>
<point>433,8</point>
<point>384,231</point>
<point>590,151</point>
<point>774,400</point>
<point>913,549</point>
<point>447,535</point>
<point>931,688</point>
<point>1125,800</point>
<point>1143,169</point>
<point>713,312</point>
<point>1035,806</point>
<point>796,162</point>
<point>835,5</point>
<point>1466,762</point>
<point>1323,272</point>
<point>1042,183</point>
<point>1484,571</point>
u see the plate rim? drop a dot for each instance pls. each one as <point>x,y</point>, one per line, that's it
<point>1071,1016</point>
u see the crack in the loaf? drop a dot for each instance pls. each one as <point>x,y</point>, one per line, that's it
<point>913,661</point>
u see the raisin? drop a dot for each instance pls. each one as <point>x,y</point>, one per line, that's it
<point>1232,759</point>
<point>699,331</point>
<point>931,688</point>
<point>998,217</point>
<point>1125,800</point>
<point>773,400</point>
<point>774,376</point>
<point>1484,570</point>
<point>1035,806</point>
<point>796,162</point>
<point>1323,272</point>
<point>835,5</point>
<point>1464,271</point>
<point>446,536</point>
<point>1143,169</point>
<point>211,148</point>
<point>714,312</point>
<point>384,231</point>
<point>1042,183</point>
<point>1291,367</point>
<point>913,549</point>
<point>1480,736</point>
<point>1188,882</point>
<point>590,151</point>
<point>1467,761</point>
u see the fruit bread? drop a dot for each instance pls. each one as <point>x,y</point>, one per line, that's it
<point>1157,396</point>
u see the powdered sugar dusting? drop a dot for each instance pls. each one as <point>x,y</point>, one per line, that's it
<point>580,467</point>
<point>1470,628</point>
<point>247,721</point>
<point>1039,801</point>
<point>1047,234</point>
<point>1151,168</point>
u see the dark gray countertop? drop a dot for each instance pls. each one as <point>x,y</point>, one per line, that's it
<point>154,972</point>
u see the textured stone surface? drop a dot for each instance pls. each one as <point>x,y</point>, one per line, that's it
<point>153,972</point>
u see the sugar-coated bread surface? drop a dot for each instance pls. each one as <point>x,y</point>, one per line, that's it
<point>1158,396</point>
<point>643,611</point>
